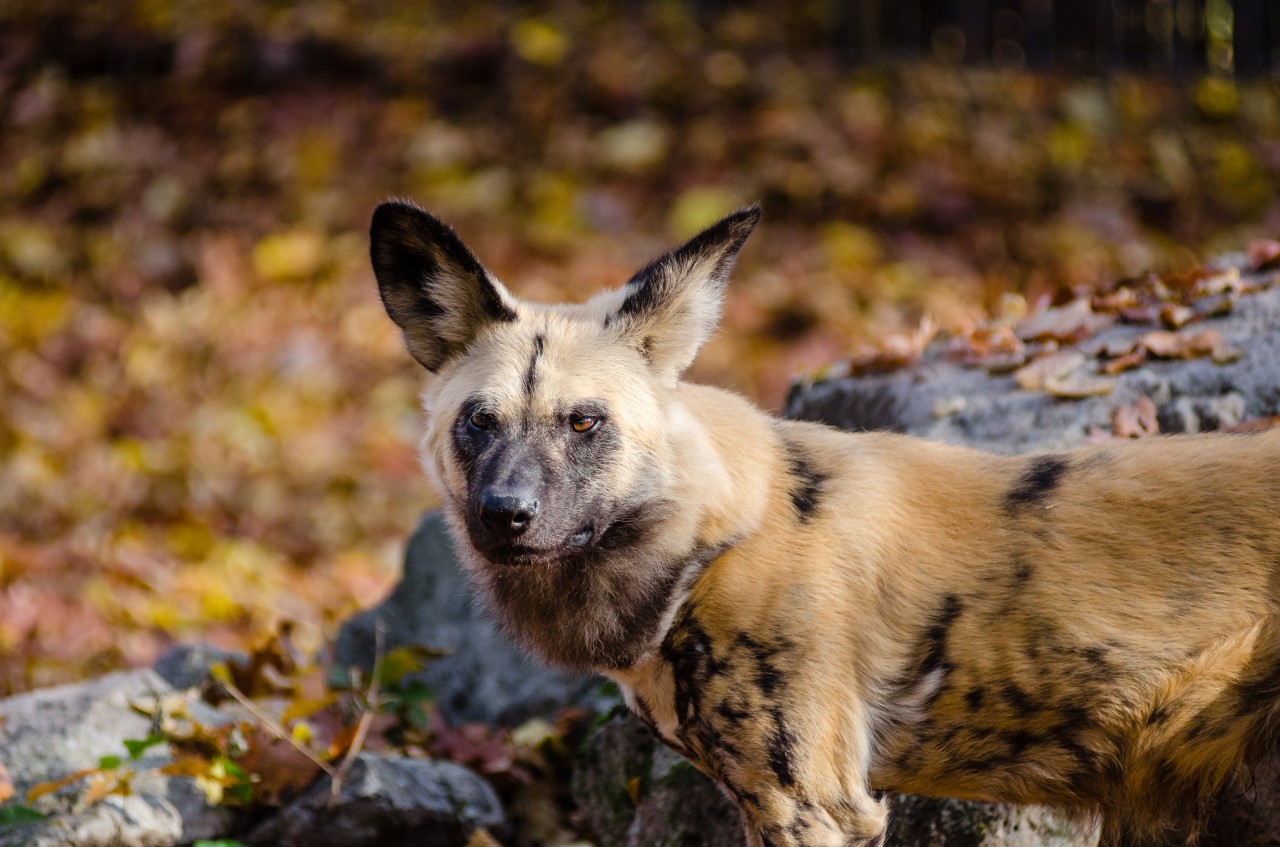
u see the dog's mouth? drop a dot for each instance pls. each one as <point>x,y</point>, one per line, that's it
<point>522,554</point>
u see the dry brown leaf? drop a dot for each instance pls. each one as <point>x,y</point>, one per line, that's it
<point>1174,316</point>
<point>6,784</point>
<point>103,784</point>
<point>1078,384</point>
<point>42,788</point>
<point>1124,362</point>
<point>1072,322</point>
<point>281,769</point>
<point>1035,375</point>
<point>1264,254</point>
<point>1136,421</point>
<point>1181,345</point>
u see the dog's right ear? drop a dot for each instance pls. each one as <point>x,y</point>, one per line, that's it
<point>432,286</point>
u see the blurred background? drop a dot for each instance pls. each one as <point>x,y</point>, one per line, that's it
<point>207,424</point>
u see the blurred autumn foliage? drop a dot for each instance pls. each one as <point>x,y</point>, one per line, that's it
<point>206,422</point>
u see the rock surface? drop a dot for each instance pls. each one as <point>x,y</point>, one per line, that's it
<point>944,401</point>
<point>635,792</point>
<point>388,801</point>
<point>484,678</point>
<point>46,735</point>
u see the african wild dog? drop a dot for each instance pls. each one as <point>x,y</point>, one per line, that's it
<point>814,617</point>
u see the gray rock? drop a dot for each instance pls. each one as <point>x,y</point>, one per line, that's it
<point>932,822</point>
<point>675,804</point>
<point>484,678</point>
<point>187,665</point>
<point>388,801</point>
<point>997,416</point>
<point>46,735</point>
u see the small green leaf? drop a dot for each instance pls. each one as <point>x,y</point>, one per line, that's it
<point>232,768</point>
<point>137,747</point>
<point>110,763</point>
<point>222,842</point>
<point>402,662</point>
<point>16,814</point>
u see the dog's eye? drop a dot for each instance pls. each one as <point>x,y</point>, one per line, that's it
<point>482,421</point>
<point>583,423</point>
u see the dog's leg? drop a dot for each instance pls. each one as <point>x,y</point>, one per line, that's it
<point>776,818</point>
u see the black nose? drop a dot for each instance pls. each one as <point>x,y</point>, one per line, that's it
<point>508,514</point>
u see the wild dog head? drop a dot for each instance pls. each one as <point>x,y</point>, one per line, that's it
<point>550,427</point>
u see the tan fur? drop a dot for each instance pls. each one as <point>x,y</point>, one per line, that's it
<point>1095,630</point>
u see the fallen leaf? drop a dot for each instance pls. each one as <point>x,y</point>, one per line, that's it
<point>1135,421</point>
<point>1078,384</point>
<point>43,788</point>
<point>1124,362</point>
<point>6,784</point>
<point>1070,323</point>
<point>280,768</point>
<point>1264,253</point>
<point>1035,375</point>
<point>1181,345</point>
<point>1174,316</point>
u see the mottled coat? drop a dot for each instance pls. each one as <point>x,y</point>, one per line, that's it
<point>815,617</point>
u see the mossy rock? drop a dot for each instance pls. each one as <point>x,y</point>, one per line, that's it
<point>635,792</point>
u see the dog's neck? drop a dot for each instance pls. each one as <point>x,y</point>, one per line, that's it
<point>722,487</point>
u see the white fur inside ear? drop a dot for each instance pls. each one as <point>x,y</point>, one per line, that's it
<point>670,308</point>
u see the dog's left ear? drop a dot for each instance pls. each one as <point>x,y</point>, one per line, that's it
<point>433,287</point>
<point>672,305</point>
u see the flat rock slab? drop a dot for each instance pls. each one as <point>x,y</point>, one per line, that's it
<point>944,401</point>
<point>388,801</point>
<point>47,734</point>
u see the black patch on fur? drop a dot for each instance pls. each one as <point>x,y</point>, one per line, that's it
<point>1022,573</point>
<point>935,637</point>
<point>467,442</point>
<point>1259,692</point>
<point>1020,740</point>
<point>1042,475</point>
<point>645,714</point>
<point>689,651</point>
<point>769,677</point>
<point>531,373</point>
<point>806,482</point>
<point>731,714</point>
<point>973,698</point>
<point>781,747</point>
<point>1019,701</point>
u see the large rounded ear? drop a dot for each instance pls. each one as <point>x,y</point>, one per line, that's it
<point>432,286</point>
<point>672,305</point>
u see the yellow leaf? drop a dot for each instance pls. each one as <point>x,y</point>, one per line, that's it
<point>302,732</point>
<point>43,788</point>
<point>289,255</point>
<point>538,41</point>
<point>103,784</point>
